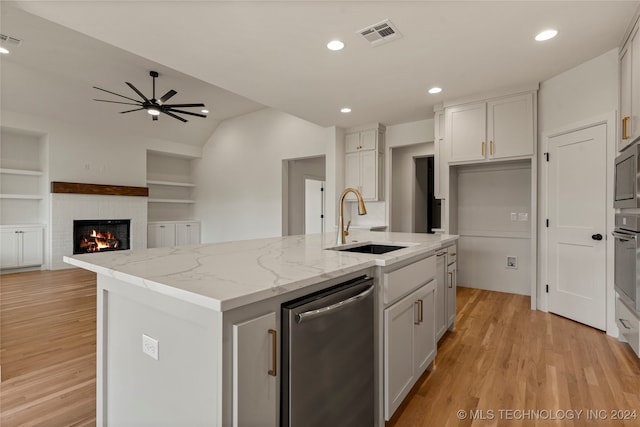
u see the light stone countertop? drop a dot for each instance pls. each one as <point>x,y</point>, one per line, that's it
<point>223,276</point>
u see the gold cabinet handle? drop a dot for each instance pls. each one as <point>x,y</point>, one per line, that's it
<point>491,147</point>
<point>420,313</point>
<point>482,148</point>
<point>625,127</point>
<point>274,352</point>
<point>451,279</point>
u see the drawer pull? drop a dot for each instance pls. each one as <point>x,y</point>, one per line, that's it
<point>482,148</point>
<point>441,253</point>
<point>624,322</point>
<point>625,127</point>
<point>274,352</point>
<point>420,313</point>
<point>451,279</point>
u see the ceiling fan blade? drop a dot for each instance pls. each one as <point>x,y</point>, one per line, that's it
<point>118,102</point>
<point>174,116</point>
<point>187,112</point>
<point>116,94</point>
<point>128,111</point>
<point>183,105</point>
<point>167,95</point>
<point>138,92</point>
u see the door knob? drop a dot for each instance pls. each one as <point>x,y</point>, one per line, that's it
<point>597,237</point>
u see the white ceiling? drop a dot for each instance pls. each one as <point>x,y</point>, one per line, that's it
<point>273,52</point>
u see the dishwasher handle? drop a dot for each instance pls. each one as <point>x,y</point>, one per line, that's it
<point>312,314</point>
<point>625,237</point>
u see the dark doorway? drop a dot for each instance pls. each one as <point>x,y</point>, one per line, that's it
<point>427,215</point>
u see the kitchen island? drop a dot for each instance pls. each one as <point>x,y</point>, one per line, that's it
<point>188,335</point>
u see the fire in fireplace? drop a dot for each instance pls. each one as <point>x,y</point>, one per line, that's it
<point>101,235</point>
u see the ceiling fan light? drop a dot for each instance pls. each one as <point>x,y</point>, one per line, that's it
<point>4,50</point>
<point>153,111</point>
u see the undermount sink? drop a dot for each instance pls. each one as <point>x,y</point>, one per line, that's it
<point>370,248</point>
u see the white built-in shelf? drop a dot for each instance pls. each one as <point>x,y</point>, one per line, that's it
<point>170,183</point>
<point>22,196</point>
<point>170,201</point>
<point>20,172</point>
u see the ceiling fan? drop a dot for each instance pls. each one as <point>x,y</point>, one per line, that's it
<point>154,106</point>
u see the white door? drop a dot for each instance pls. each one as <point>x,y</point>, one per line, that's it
<point>577,219</point>
<point>313,206</point>
<point>32,246</point>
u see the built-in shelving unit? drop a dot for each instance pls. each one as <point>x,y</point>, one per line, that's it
<point>22,183</point>
<point>23,203</point>
<point>170,187</point>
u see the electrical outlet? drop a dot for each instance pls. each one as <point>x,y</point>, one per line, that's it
<point>514,216</point>
<point>150,346</point>
<point>512,262</point>
<point>523,216</point>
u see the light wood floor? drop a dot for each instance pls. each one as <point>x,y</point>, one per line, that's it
<point>501,356</point>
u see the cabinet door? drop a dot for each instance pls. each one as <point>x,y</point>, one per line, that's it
<point>255,366</point>
<point>634,125</point>
<point>161,235</point>
<point>425,329</point>
<point>451,294</point>
<point>466,132</point>
<point>352,142</point>
<point>441,160</point>
<point>398,353</point>
<point>187,233</point>
<point>32,247</point>
<point>9,248</point>
<point>369,174</point>
<point>368,139</point>
<point>625,98</point>
<point>441,294</point>
<point>510,127</point>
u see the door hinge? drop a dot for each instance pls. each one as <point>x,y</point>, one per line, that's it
<point>546,155</point>
<point>547,288</point>
<point>321,216</point>
<point>547,222</point>
<point>321,188</point>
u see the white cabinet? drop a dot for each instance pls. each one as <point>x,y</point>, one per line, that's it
<point>161,235</point>
<point>21,246</point>
<point>172,233</point>
<point>445,290</point>
<point>451,294</point>
<point>363,163</point>
<point>630,91</point>
<point>441,159</point>
<point>255,370</point>
<point>187,233</point>
<point>501,128</point>
<point>409,344</point>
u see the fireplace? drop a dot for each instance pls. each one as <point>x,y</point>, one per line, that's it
<point>93,235</point>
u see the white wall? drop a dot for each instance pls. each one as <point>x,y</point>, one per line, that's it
<point>488,195</point>
<point>403,184</point>
<point>239,177</point>
<point>580,95</point>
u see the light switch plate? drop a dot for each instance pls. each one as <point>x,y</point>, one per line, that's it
<point>512,262</point>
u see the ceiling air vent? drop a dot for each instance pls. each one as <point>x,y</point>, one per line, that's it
<point>382,32</point>
<point>10,40</point>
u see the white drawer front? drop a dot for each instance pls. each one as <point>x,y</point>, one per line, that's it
<point>452,254</point>
<point>629,326</point>
<point>404,280</point>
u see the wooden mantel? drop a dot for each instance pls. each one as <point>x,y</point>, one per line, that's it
<point>98,189</point>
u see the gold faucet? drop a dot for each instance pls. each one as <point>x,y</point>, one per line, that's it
<point>342,232</point>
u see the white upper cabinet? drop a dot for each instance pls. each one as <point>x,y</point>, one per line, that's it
<point>630,91</point>
<point>501,128</point>
<point>363,163</point>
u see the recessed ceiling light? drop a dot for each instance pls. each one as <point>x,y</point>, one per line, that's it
<point>335,45</point>
<point>204,111</point>
<point>546,35</point>
<point>4,50</point>
<point>345,110</point>
<point>435,90</point>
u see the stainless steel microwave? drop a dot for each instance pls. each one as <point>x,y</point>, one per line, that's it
<point>627,175</point>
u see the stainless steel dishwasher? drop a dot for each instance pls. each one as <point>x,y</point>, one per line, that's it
<point>327,357</point>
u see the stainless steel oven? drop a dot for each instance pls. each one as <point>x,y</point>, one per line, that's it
<point>626,193</point>
<point>627,258</point>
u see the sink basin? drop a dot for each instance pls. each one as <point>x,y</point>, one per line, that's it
<point>371,248</point>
